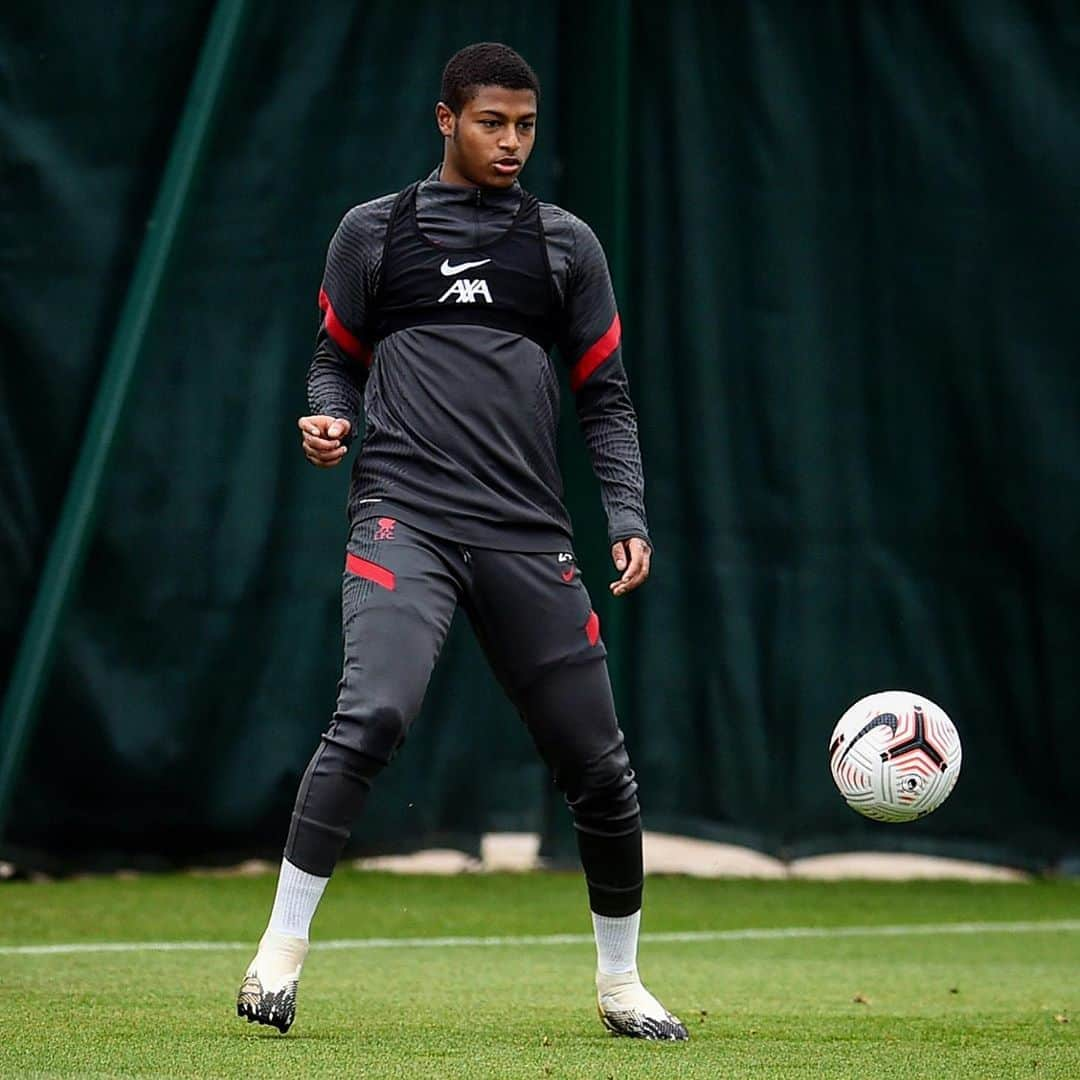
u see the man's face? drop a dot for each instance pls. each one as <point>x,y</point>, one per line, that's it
<point>489,143</point>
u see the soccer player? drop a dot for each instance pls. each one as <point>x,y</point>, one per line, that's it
<point>440,305</point>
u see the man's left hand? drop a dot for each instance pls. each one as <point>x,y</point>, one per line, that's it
<point>632,557</point>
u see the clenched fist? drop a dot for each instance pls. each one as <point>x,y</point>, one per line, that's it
<point>632,558</point>
<point>322,437</point>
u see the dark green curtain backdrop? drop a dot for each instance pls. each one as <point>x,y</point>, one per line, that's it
<point>850,265</point>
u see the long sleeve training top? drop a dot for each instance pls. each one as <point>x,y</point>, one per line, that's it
<point>461,419</point>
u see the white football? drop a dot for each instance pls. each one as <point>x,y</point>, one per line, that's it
<point>895,756</point>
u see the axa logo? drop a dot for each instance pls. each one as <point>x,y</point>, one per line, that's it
<point>465,291</point>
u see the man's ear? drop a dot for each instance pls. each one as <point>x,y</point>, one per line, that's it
<point>446,120</point>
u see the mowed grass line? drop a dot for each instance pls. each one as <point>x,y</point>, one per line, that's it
<point>982,1006</point>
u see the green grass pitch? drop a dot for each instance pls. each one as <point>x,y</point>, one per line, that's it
<point>986,1005</point>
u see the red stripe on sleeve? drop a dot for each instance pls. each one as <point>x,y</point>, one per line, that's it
<point>372,571</point>
<point>348,343</point>
<point>596,354</point>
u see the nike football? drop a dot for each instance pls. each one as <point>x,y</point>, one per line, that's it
<point>895,756</point>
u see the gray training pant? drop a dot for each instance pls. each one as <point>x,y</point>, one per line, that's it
<point>533,618</point>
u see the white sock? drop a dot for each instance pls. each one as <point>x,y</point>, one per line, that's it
<point>298,895</point>
<point>616,942</point>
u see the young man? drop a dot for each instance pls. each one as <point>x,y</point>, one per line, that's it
<point>440,305</point>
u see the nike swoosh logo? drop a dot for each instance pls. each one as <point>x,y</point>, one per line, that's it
<point>448,271</point>
<point>568,575</point>
<point>887,719</point>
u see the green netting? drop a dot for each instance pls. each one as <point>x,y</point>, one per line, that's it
<point>850,325</point>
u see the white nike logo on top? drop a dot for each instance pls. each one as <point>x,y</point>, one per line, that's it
<point>447,270</point>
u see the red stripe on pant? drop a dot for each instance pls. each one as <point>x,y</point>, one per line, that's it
<point>592,628</point>
<point>372,571</point>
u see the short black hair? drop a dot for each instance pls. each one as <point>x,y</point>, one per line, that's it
<point>488,63</point>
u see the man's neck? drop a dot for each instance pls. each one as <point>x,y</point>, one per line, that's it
<point>450,175</point>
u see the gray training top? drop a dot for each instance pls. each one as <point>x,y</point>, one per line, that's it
<point>462,416</point>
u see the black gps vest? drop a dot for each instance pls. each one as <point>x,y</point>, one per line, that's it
<point>505,284</point>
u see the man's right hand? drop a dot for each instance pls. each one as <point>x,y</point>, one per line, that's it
<point>322,437</point>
